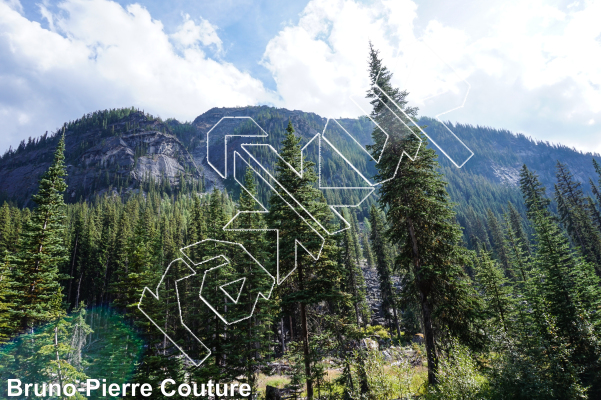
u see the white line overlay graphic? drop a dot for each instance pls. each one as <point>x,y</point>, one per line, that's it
<point>233,290</point>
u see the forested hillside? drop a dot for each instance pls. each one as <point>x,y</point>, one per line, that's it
<point>125,255</point>
<point>105,151</point>
<point>118,150</point>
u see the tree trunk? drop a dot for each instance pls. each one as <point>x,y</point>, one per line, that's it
<point>394,312</point>
<point>72,267</point>
<point>425,308</point>
<point>396,322</point>
<point>283,336</point>
<point>305,333</point>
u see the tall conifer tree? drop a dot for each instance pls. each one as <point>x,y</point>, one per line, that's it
<point>314,280</point>
<point>567,290</point>
<point>42,251</point>
<point>422,221</point>
<point>498,241</point>
<point>576,217</point>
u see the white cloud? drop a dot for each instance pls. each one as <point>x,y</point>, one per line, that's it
<point>319,62</point>
<point>533,66</point>
<point>189,34</point>
<point>103,56</point>
<point>15,5</point>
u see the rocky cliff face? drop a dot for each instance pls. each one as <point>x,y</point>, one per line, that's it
<point>116,158</point>
<point>116,150</point>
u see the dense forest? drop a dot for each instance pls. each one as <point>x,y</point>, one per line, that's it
<point>445,285</point>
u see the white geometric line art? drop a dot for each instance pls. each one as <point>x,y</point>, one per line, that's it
<point>224,174</point>
<point>155,298</point>
<point>446,90</point>
<point>239,289</point>
<point>261,172</point>
<point>384,148</point>
<point>429,136</point>
<point>206,280</point>
<point>280,279</point>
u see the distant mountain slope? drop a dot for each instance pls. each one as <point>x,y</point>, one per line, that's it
<point>106,150</point>
<point>117,150</point>
<point>490,178</point>
<point>499,154</point>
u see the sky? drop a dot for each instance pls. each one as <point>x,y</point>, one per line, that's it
<point>530,67</point>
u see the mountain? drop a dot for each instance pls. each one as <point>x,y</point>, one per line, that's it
<point>120,150</point>
<point>112,150</point>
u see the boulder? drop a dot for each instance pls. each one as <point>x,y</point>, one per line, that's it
<point>369,344</point>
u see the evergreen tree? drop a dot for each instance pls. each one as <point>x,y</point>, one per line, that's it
<point>496,292</point>
<point>592,209</point>
<point>498,241</point>
<point>250,339</point>
<point>316,280</point>
<point>574,214</point>
<point>367,250</point>
<point>518,256</point>
<point>534,193</point>
<point>517,226</point>
<point>421,223</point>
<point>567,291</point>
<point>6,228</point>
<point>7,324</point>
<point>352,267</point>
<point>38,293</point>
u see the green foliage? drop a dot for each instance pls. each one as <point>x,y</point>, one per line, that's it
<point>424,230</point>
<point>384,262</point>
<point>315,280</point>
<point>458,378</point>
<point>576,216</point>
<point>520,318</point>
<point>37,294</point>
<point>69,351</point>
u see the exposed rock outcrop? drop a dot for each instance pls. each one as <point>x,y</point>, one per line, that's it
<point>98,160</point>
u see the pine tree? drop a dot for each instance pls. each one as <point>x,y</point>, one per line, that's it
<point>7,324</point>
<point>517,226</point>
<point>316,280</point>
<point>568,289</point>
<point>498,241</point>
<point>119,286</point>
<point>42,251</point>
<point>597,167</point>
<point>355,279</point>
<point>51,354</point>
<point>421,224</point>
<point>592,209</point>
<point>367,250</point>
<point>496,290</point>
<point>518,253</point>
<point>534,193</point>
<point>574,214</point>
<point>6,228</point>
<point>250,339</point>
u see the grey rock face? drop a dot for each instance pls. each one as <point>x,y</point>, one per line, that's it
<point>95,163</point>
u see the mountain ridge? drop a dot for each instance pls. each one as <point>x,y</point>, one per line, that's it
<point>117,150</point>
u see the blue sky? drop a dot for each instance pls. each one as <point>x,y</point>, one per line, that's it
<point>245,27</point>
<point>530,67</point>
